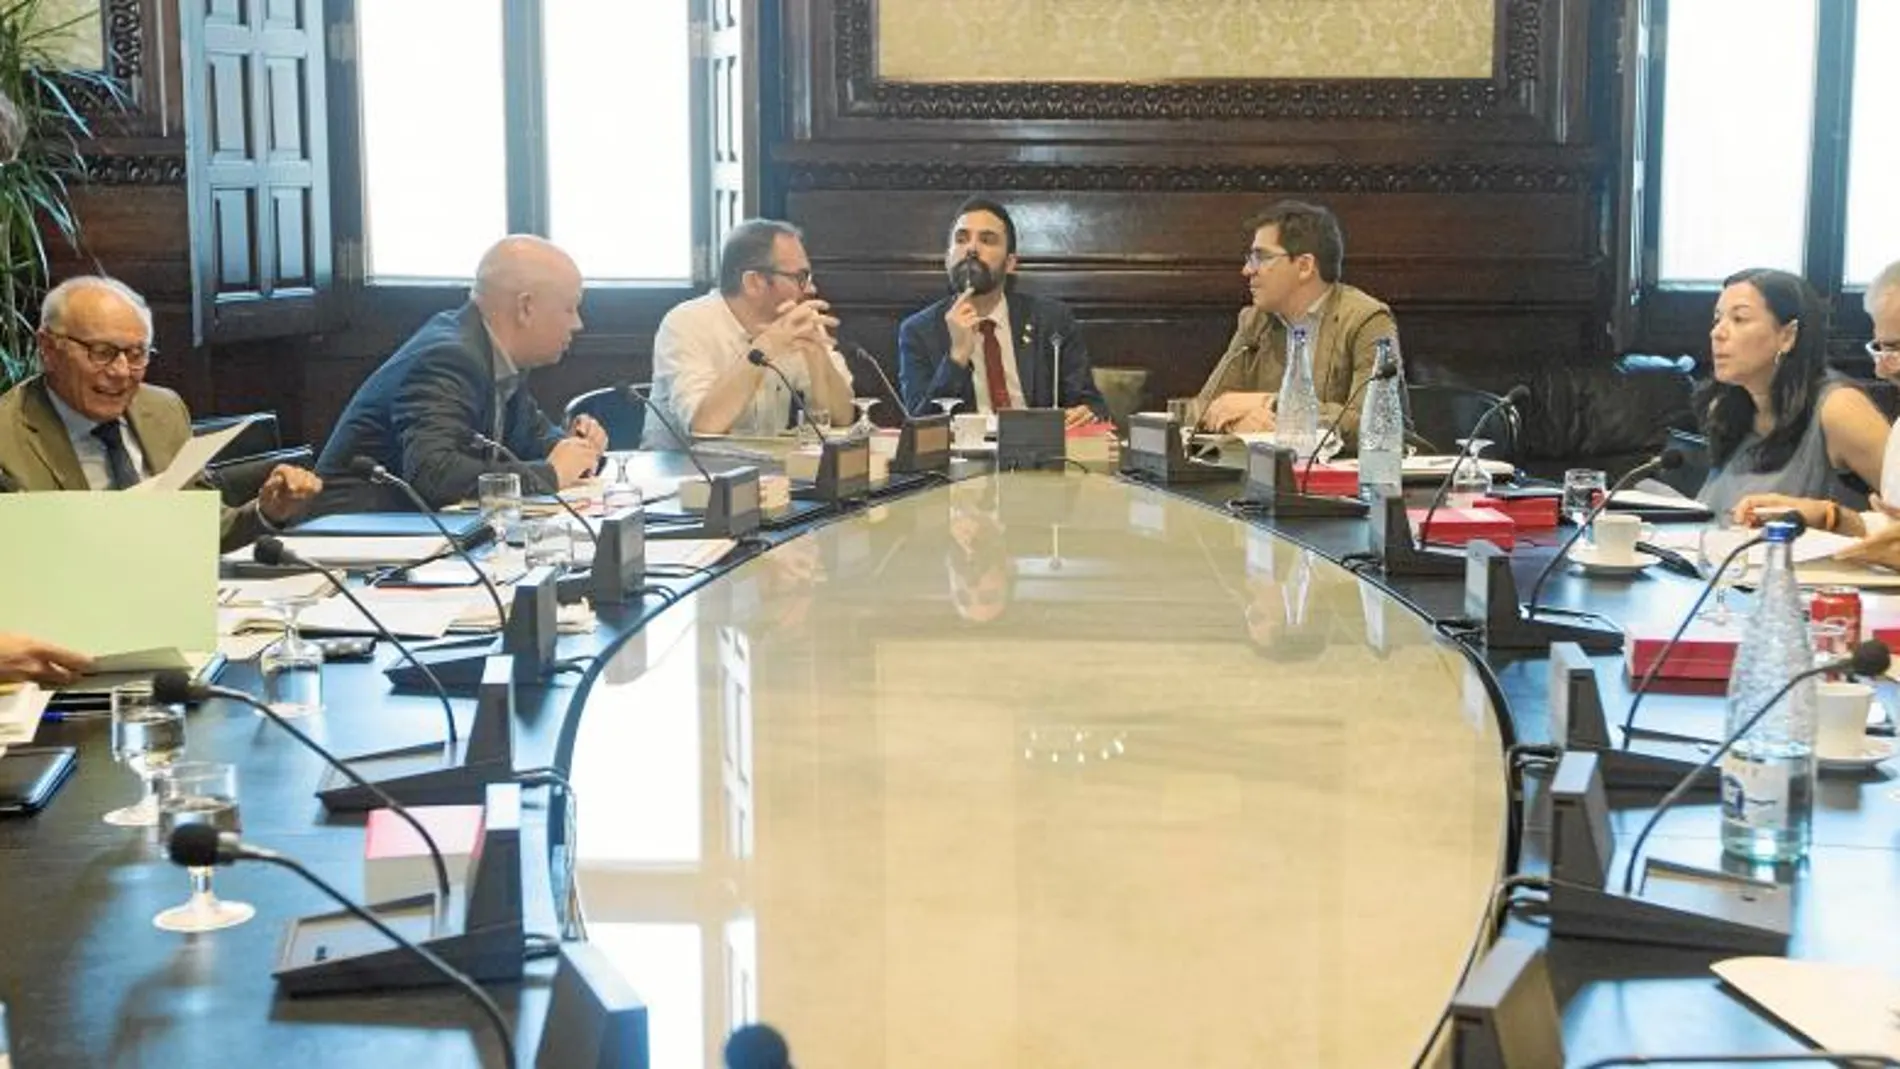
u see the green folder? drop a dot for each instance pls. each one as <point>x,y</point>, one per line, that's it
<point>126,576</point>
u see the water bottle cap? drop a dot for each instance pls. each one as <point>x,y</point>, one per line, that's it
<point>1779,531</point>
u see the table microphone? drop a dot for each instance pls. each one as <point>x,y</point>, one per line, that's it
<point>1516,395</point>
<point>483,440</point>
<point>1850,1060</point>
<point>757,358</point>
<point>1668,460</point>
<point>1870,658</point>
<point>1389,371</point>
<point>203,846</point>
<point>1655,667</point>
<point>862,354</point>
<point>176,688</point>
<point>367,468</point>
<point>686,444</point>
<point>271,550</point>
<point>757,1046</point>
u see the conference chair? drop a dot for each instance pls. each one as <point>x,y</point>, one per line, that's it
<point>238,479</point>
<point>622,417</point>
<point>1443,414</point>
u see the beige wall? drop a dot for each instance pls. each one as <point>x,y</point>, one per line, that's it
<point>1158,40</point>
<point>81,45</point>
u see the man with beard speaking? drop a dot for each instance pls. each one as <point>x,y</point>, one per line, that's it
<point>987,346</point>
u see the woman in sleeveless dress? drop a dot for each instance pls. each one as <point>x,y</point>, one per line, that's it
<point>1780,426</point>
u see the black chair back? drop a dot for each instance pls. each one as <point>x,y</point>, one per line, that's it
<point>1688,478</point>
<point>239,479</point>
<point>623,418</point>
<point>1443,414</point>
<point>260,434</point>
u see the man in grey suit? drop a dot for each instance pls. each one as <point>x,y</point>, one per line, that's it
<point>987,345</point>
<point>91,422</point>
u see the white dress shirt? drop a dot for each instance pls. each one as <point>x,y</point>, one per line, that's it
<point>979,368</point>
<point>90,450</point>
<point>699,341</point>
<point>1889,489</point>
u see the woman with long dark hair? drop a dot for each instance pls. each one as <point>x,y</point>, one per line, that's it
<point>1778,422</point>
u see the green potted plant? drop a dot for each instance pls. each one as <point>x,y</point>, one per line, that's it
<point>41,134</point>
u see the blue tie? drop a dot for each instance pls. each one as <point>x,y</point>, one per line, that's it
<point>118,458</point>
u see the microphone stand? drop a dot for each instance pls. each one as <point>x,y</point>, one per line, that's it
<point>1641,471</point>
<point>174,686</point>
<point>732,497</point>
<point>1517,393</point>
<point>914,456</point>
<point>199,845</point>
<point>271,550</point>
<point>832,483</point>
<point>509,455</point>
<point>376,473</point>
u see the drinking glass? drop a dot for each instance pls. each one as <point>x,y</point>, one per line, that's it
<point>500,495</point>
<point>147,737</point>
<point>1329,447</point>
<point>864,428</point>
<point>292,666</point>
<point>623,492</point>
<point>200,792</point>
<point>1583,488</point>
<point>1829,638</point>
<point>1715,542</point>
<point>947,404</point>
<point>548,540</point>
<point>820,422</point>
<point>1469,480</point>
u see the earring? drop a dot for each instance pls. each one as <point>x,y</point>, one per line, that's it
<point>1778,357</point>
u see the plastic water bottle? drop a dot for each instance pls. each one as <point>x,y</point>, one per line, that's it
<point>1768,776</point>
<point>1382,426</point>
<point>1297,421</point>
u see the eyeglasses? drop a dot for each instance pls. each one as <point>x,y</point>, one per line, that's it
<point>1878,348</point>
<point>102,354</point>
<point>1257,258</point>
<point>800,278</point>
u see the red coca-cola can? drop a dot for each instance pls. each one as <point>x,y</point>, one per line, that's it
<point>1840,603</point>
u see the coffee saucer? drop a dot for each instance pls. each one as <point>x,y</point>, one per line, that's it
<point>1872,752</point>
<point>1592,562</point>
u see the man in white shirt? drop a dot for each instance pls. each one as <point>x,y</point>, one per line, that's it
<point>766,301</point>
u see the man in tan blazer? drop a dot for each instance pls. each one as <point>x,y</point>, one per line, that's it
<point>1292,272</point>
<point>90,422</point>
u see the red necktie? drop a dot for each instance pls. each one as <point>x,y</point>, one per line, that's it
<point>993,365</point>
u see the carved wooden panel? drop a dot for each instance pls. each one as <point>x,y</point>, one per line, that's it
<point>261,245</point>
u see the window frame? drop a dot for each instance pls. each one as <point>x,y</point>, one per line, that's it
<point>1674,316</point>
<point>613,307</point>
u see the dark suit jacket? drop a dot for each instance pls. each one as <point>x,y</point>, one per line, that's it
<point>36,454</point>
<point>415,414</point>
<point>926,371</point>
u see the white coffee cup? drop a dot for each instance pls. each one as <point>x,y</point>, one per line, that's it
<point>1615,535</point>
<point>968,429</point>
<point>1840,709</point>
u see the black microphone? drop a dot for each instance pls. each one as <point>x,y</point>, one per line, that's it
<point>862,354</point>
<point>483,440</point>
<point>1668,460</point>
<point>1389,371</point>
<point>1830,1057</point>
<point>1708,587</point>
<point>203,846</point>
<point>271,550</point>
<point>367,468</point>
<point>686,444</point>
<point>757,1046</point>
<point>176,688</point>
<point>758,358</point>
<point>1516,395</point>
<point>1870,658</point>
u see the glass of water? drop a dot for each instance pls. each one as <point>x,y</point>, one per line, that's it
<point>548,540</point>
<point>1469,480</point>
<point>820,423</point>
<point>947,404</point>
<point>292,666</point>
<point>499,493</point>
<point>147,738</point>
<point>864,428</point>
<point>200,792</point>
<point>623,492</point>
<point>1583,488</point>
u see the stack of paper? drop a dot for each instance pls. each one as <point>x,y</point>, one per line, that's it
<point>20,707</point>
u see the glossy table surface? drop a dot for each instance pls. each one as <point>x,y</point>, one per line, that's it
<point>1040,770</point>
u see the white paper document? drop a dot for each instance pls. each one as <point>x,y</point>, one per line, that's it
<point>257,592</point>
<point>20,707</point>
<point>192,458</point>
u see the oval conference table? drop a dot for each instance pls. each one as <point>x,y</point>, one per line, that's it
<point>1032,770</point>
